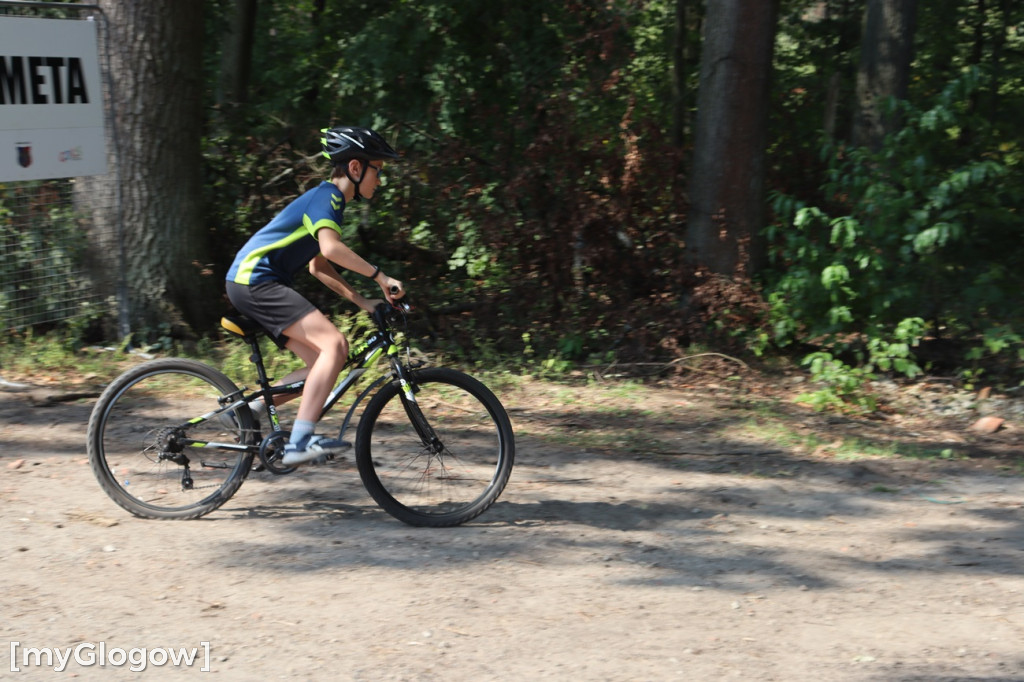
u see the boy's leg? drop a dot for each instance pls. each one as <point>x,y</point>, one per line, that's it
<point>272,304</point>
<point>308,355</point>
<point>324,349</point>
<point>314,338</point>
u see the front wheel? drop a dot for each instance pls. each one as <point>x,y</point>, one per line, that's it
<point>156,447</point>
<point>440,459</point>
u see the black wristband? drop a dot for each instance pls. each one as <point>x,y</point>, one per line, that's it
<point>376,271</point>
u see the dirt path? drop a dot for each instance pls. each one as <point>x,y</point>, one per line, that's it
<point>684,550</point>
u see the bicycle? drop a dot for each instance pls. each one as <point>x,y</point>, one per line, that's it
<point>433,446</point>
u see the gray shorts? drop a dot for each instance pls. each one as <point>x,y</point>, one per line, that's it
<point>272,304</point>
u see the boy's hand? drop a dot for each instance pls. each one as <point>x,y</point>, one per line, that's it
<point>391,287</point>
<point>369,304</point>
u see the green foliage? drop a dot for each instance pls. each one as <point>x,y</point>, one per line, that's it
<point>916,239</point>
<point>539,191</point>
<point>847,388</point>
<point>42,247</point>
<point>535,175</point>
<point>38,357</point>
<point>813,95</point>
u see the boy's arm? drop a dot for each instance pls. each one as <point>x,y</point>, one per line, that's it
<point>322,269</point>
<point>333,250</point>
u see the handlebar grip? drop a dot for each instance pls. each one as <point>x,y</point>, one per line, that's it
<point>394,290</point>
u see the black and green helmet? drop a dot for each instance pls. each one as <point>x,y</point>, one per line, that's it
<point>349,142</point>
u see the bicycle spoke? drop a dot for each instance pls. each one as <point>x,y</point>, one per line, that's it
<point>148,455</point>
<point>446,480</point>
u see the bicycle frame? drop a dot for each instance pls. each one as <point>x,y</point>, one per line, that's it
<point>367,352</point>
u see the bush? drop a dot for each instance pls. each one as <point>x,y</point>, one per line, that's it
<point>915,240</point>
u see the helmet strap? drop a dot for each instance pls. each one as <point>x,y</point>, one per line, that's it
<point>357,183</point>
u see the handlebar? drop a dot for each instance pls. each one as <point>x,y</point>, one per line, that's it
<point>385,314</point>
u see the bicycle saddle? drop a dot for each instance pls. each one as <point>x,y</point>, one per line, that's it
<point>240,325</point>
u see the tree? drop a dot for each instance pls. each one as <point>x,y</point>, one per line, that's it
<point>840,17</point>
<point>887,47</point>
<point>154,187</point>
<point>236,54</point>
<point>682,54</point>
<point>727,177</point>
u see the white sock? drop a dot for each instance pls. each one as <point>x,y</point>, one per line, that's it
<point>301,430</point>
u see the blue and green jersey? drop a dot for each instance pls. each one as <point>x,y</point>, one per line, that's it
<point>287,243</point>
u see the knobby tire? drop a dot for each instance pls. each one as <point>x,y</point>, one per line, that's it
<point>130,426</point>
<point>446,482</point>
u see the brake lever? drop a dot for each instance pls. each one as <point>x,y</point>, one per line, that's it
<point>385,313</point>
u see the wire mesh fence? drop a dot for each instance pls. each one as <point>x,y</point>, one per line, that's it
<point>43,250</point>
<point>45,229</point>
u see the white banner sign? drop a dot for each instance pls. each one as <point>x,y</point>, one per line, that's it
<point>51,101</point>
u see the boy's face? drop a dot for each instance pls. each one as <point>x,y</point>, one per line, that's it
<point>371,176</point>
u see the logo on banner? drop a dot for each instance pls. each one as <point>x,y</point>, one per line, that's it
<point>24,154</point>
<point>74,154</point>
<point>51,101</point>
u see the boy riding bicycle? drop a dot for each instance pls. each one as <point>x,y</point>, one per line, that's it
<point>308,233</point>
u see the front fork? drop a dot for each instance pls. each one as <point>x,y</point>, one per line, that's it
<point>424,430</point>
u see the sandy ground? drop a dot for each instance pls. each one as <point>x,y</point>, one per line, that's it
<point>682,551</point>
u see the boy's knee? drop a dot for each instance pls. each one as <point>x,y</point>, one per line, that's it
<point>339,346</point>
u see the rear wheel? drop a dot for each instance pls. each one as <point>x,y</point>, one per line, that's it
<point>441,459</point>
<point>153,454</point>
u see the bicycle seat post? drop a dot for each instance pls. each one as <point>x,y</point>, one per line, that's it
<point>250,332</point>
<point>256,358</point>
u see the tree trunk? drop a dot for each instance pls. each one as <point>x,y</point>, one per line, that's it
<point>887,48</point>
<point>844,16</point>
<point>679,43</point>
<point>727,178</point>
<point>236,54</point>
<point>153,191</point>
